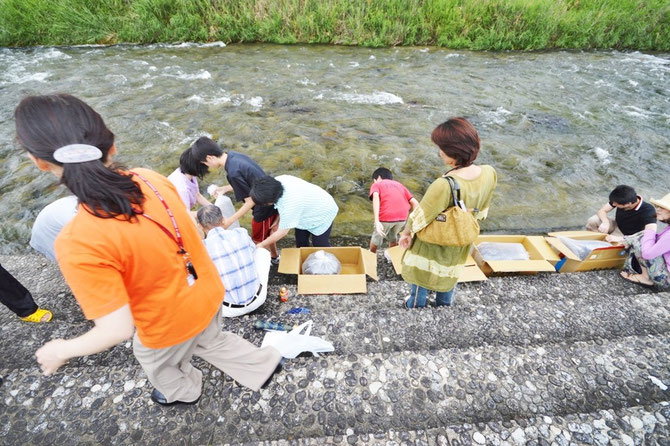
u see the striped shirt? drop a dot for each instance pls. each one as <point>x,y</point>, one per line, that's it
<point>233,251</point>
<point>305,206</point>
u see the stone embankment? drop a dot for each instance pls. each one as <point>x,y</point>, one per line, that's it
<point>565,359</point>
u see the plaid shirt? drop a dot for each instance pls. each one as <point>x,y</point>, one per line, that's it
<point>233,251</point>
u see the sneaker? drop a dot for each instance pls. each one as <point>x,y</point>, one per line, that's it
<point>387,256</point>
<point>275,260</point>
<point>404,304</point>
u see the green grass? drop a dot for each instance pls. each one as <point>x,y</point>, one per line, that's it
<point>462,24</point>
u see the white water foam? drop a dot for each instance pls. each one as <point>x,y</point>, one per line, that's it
<point>636,112</point>
<point>189,45</point>
<point>210,101</point>
<point>116,79</point>
<point>376,98</point>
<point>51,53</point>
<point>603,155</point>
<point>602,83</point>
<point>256,102</point>
<point>497,116</point>
<point>201,74</point>
<point>20,76</point>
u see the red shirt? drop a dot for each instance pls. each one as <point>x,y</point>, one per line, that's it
<point>393,200</point>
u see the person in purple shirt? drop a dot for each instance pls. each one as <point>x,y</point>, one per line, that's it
<point>651,250</point>
<point>184,178</point>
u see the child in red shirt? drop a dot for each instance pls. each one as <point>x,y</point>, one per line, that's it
<point>391,204</point>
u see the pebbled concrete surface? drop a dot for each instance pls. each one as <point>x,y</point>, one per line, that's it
<point>545,359</point>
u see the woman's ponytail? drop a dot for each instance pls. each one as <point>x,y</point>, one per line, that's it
<point>45,124</point>
<point>106,192</point>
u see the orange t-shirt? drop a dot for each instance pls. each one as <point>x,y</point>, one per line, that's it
<point>108,263</point>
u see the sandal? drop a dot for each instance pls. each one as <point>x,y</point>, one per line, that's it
<point>40,315</point>
<point>635,278</point>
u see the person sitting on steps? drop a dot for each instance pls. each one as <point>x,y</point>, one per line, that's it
<point>632,214</point>
<point>651,250</point>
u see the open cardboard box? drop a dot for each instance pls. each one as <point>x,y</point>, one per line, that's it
<point>471,272</point>
<point>539,251</point>
<point>601,258</point>
<point>356,264</point>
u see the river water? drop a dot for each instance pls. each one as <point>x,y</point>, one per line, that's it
<point>561,128</point>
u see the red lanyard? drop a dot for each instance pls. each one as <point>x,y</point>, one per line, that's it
<point>178,240</point>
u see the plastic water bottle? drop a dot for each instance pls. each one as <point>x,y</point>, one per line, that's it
<point>298,310</point>
<point>267,325</point>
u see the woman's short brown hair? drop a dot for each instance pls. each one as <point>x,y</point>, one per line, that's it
<point>458,139</point>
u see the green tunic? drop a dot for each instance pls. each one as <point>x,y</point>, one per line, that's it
<point>436,267</point>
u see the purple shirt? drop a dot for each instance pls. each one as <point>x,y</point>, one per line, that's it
<point>656,245</point>
<point>187,189</point>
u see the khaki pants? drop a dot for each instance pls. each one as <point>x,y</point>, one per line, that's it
<point>594,221</point>
<point>170,371</point>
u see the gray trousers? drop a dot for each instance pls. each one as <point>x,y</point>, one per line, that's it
<point>170,371</point>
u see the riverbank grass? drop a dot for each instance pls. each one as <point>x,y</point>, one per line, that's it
<point>459,24</point>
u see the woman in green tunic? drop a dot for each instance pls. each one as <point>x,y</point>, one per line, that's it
<point>426,266</point>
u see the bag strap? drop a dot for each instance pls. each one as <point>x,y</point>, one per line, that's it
<point>456,192</point>
<point>455,189</point>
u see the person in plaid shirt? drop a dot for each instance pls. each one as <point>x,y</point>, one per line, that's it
<point>243,268</point>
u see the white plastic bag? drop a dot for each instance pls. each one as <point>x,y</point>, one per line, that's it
<point>503,251</point>
<point>321,262</point>
<point>582,248</point>
<point>293,343</point>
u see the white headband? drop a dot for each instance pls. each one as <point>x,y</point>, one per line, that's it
<point>77,153</point>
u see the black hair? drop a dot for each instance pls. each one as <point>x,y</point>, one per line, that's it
<point>382,172</point>
<point>46,123</point>
<point>623,194</point>
<point>199,151</point>
<point>188,164</point>
<point>266,190</point>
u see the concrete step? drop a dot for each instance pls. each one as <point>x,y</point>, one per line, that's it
<point>340,395</point>
<point>522,322</point>
<point>47,285</point>
<point>638,425</point>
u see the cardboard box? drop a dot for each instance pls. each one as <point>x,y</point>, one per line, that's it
<point>539,251</point>
<point>471,272</point>
<point>601,258</point>
<point>356,264</point>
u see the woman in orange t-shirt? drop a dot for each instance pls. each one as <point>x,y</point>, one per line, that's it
<point>133,259</point>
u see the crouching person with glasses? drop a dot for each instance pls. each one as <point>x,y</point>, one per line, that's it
<point>243,268</point>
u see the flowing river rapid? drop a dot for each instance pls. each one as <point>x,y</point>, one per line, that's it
<point>561,128</point>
